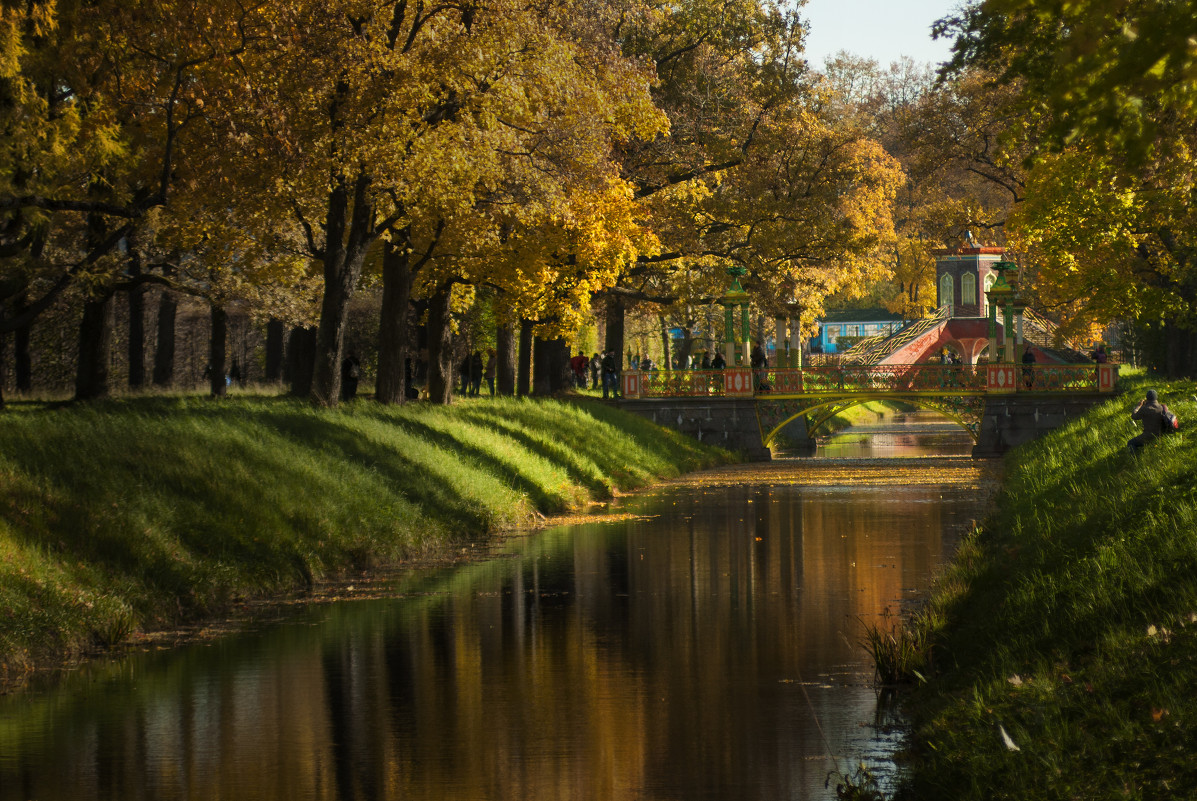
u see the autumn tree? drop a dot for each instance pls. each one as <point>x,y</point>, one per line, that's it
<point>100,99</point>
<point>1110,92</point>
<point>420,132</point>
<point>756,172</point>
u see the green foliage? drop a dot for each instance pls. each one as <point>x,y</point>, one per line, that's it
<point>860,785</point>
<point>900,651</point>
<point>1065,633</point>
<point>143,513</point>
<point>1098,71</point>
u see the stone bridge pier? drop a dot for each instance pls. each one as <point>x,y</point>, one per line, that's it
<point>1006,421</point>
<point>1011,420</point>
<point>726,422</point>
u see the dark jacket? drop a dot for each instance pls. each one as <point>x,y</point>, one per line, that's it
<point>1151,415</point>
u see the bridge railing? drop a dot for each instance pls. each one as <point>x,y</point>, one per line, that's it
<point>876,378</point>
<point>852,379</point>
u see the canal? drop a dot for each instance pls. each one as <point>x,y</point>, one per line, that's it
<point>699,640</point>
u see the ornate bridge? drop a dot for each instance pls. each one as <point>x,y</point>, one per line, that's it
<point>999,405</point>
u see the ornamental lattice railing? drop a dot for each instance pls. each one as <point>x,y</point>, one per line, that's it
<point>897,378</point>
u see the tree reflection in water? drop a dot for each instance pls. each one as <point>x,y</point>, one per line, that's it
<point>704,645</point>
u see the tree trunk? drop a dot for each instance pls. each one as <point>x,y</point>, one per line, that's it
<point>217,351</point>
<point>561,375</point>
<point>95,350</point>
<point>615,332</point>
<point>505,360</point>
<point>440,347</point>
<point>687,345</point>
<point>541,384</point>
<point>301,355</point>
<point>392,330</point>
<point>348,234</point>
<point>3,353</point>
<point>524,363</point>
<point>136,349</point>
<point>22,361</point>
<point>1180,350</point>
<point>666,361</point>
<point>274,351</point>
<point>164,350</point>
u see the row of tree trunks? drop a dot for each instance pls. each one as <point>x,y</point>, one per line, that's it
<point>295,360</point>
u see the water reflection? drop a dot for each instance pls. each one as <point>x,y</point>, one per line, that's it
<point>899,434</point>
<point>707,649</point>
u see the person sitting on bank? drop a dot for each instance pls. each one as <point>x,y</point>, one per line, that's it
<point>1149,412</point>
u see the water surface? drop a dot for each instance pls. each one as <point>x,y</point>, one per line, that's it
<point>697,641</point>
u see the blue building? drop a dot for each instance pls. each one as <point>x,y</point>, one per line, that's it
<point>852,325</point>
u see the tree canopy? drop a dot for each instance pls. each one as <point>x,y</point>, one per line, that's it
<point>1107,118</point>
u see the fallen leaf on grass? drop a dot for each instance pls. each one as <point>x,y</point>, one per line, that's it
<point>1010,744</point>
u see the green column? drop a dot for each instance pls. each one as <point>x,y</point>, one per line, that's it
<point>745,330</point>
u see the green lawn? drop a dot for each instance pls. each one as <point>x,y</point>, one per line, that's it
<point>141,513</point>
<point>1063,640</point>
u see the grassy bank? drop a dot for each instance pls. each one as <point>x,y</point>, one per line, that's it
<point>1063,640</point>
<point>138,514</point>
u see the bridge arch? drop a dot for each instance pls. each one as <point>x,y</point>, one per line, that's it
<point>964,410</point>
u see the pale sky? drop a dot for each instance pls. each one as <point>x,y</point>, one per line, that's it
<point>877,29</point>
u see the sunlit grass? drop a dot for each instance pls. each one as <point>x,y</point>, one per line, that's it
<point>143,512</point>
<point>1070,623</point>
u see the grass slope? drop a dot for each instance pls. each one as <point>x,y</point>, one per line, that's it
<point>142,513</point>
<point>1069,624</point>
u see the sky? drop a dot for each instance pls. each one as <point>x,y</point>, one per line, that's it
<point>879,29</point>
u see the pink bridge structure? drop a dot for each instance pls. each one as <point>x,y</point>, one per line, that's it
<point>965,362</point>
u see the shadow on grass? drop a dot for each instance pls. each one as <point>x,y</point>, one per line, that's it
<point>557,452</point>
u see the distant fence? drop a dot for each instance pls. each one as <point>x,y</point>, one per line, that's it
<point>840,378</point>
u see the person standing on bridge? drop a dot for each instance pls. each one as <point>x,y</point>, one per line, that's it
<point>760,366</point>
<point>1028,367</point>
<point>610,374</point>
<point>1149,412</point>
